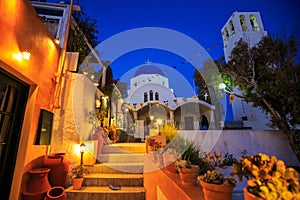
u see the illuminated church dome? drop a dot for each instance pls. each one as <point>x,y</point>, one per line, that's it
<point>148,69</point>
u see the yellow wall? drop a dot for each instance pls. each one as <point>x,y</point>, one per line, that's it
<point>20,30</point>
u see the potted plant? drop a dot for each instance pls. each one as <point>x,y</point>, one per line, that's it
<point>214,183</point>
<point>169,130</point>
<point>153,148</point>
<point>267,178</point>
<point>188,171</point>
<point>78,173</point>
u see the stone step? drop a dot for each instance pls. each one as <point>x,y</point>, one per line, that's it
<point>124,148</point>
<point>121,157</point>
<point>104,192</point>
<point>117,168</point>
<point>98,179</point>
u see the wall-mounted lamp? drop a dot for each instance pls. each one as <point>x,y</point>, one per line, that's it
<point>82,150</point>
<point>57,41</point>
<point>24,55</point>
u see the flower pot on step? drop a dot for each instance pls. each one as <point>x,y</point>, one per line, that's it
<point>77,183</point>
<point>188,176</point>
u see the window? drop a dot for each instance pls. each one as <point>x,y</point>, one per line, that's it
<point>151,95</point>
<point>254,23</point>
<point>231,28</point>
<point>156,96</point>
<point>243,23</point>
<point>145,97</point>
<point>226,34</point>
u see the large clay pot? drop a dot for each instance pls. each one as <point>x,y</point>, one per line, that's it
<point>56,193</point>
<point>216,192</point>
<point>169,163</point>
<point>249,196</point>
<point>38,181</point>
<point>59,166</point>
<point>77,183</point>
<point>188,176</point>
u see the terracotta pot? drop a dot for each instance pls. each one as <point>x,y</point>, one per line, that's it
<point>77,183</point>
<point>249,196</point>
<point>188,176</point>
<point>169,163</point>
<point>59,166</point>
<point>216,192</point>
<point>38,181</point>
<point>56,193</point>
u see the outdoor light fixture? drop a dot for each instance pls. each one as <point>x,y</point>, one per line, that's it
<point>82,149</point>
<point>159,122</point>
<point>24,55</point>
<point>57,41</point>
<point>224,87</point>
<point>152,117</point>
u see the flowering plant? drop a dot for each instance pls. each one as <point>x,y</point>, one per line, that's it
<point>214,175</point>
<point>268,178</point>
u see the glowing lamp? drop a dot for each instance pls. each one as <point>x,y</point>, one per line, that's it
<point>26,55</point>
<point>82,150</point>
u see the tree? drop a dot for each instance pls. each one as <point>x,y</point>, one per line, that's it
<point>83,30</point>
<point>268,76</point>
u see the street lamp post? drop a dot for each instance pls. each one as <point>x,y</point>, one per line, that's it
<point>82,149</point>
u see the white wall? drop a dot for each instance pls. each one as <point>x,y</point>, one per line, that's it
<point>235,141</point>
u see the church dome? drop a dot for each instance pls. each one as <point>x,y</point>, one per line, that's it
<point>148,69</point>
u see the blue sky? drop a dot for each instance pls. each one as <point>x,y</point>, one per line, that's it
<point>201,20</point>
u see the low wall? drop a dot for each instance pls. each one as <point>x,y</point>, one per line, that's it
<point>253,141</point>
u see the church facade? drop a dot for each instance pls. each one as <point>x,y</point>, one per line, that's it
<point>151,102</point>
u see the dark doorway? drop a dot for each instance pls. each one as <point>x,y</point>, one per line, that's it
<point>13,99</point>
<point>189,123</point>
<point>204,123</point>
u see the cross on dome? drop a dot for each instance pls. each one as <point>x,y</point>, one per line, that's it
<point>148,62</point>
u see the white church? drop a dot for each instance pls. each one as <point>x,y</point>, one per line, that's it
<point>151,101</point>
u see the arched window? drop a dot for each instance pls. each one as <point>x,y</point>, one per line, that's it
<point>254,23</point>
<point>156,96</point>
<point>243,23</point>
<point>231,28</point>
<point>145,97</point>
<point>151,95</point>
<point>226,34</point>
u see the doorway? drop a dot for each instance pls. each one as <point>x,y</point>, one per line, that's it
<point>13,99</point>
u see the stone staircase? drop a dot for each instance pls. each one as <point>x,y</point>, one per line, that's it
<point>120,164</point>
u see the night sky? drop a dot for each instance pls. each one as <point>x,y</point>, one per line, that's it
<point>200,20</point>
